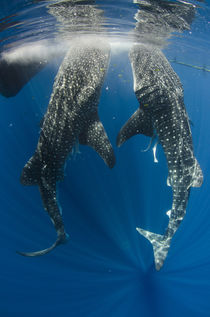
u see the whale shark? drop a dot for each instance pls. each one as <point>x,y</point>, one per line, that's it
<point>162,114</point>
<point>71,117</point>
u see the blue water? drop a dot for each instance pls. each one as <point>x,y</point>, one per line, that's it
<point>106,268</point>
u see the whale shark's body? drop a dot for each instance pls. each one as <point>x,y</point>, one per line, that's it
<point>72,116</point>
<point>162,113</point>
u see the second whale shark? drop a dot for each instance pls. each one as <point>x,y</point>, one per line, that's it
<point>162,114</point>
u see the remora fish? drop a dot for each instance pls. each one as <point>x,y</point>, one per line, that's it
<point>162,113</point>
<point>72,116</point>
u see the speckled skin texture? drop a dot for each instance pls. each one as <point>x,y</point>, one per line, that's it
<point>162,113</point>
<point>72,116</point>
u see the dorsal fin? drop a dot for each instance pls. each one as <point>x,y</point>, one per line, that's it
<point>197,176</point>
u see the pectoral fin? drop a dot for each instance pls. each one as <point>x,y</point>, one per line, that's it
<point>139,123</point>
<point>94,135</point>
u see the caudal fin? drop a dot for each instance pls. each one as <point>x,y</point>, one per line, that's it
<point>160,246</point>
<point>45,251</point>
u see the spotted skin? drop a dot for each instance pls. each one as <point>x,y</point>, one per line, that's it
<point>72,116</point>
<point>162,113</point>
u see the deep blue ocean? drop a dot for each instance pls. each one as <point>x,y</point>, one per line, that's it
<point>106,268</point>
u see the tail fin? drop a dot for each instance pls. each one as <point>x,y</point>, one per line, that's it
<point>160,246</point>
<point>60,240</point>
<point>31,172</point>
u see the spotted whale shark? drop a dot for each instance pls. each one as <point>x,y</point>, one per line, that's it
<point>162,114</point>
<point>71,117</point>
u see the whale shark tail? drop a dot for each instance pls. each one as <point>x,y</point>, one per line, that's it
<point>160,246</point>
<point>60,240</point>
